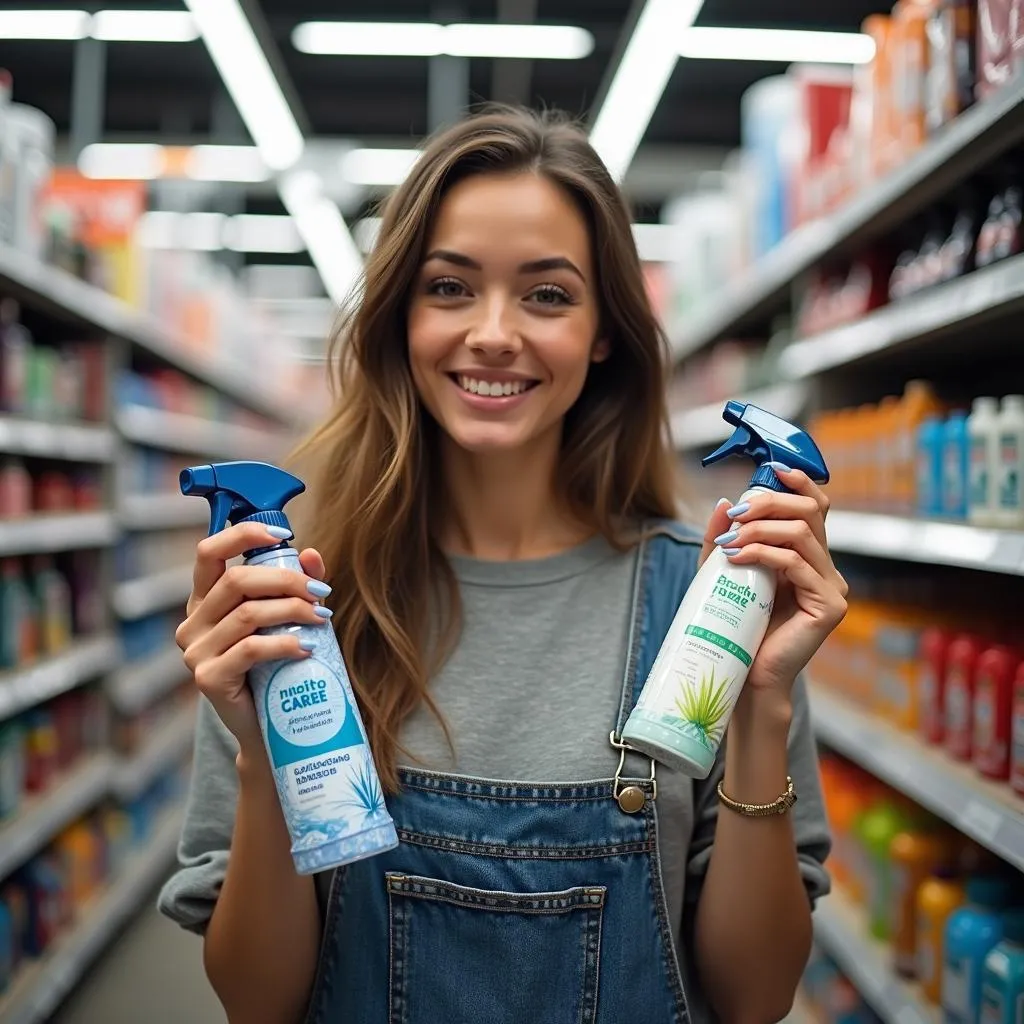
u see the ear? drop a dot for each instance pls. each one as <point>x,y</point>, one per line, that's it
<point>601,350</point>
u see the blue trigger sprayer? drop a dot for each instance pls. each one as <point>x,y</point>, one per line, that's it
<point>689,696</point>
<point>326,779</point>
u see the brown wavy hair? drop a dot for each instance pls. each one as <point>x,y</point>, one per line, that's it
<point>374,470</point>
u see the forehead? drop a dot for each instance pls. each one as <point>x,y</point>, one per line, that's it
<point>523,216</point>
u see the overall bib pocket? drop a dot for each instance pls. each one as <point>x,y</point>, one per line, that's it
<point>474,956</point>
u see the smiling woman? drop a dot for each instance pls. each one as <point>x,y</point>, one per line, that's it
<point>493,502</point>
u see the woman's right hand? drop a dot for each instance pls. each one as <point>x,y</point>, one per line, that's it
<point>228,605</point>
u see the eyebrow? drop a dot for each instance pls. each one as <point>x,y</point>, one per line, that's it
<point>532,267</point>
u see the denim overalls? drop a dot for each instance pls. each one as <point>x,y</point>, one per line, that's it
<point>519,903</point>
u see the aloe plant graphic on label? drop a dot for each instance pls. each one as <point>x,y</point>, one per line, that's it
<point>704,708</point>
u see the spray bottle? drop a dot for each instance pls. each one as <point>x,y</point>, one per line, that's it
<point>326,779</point>
<point>688,699</point>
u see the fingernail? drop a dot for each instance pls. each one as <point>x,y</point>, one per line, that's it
<point>324,613</point>
<point>732,551</point>
<point>721,502</point>
<point>319,589</point>
<point>739,510</point>
<point>727,538</point>
<point>279,532</point>
<point>779,467</point>
<point>308,645</point>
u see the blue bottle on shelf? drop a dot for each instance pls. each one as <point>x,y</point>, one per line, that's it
<point>971,933</point>
<point>1002,985</point>
<point>930,444</point>
<point>326,779</point>
<point>955,467</point>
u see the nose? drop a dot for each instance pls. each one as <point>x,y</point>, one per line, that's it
<point>493,331</point>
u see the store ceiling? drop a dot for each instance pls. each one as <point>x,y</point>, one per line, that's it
<point>167,88</point>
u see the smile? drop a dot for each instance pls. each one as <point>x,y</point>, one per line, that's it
<point>493,389</point>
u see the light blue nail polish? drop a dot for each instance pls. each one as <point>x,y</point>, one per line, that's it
<point>732,551</point>
<point>308,645</point>
<point>739,510</point>
<point>779,467</point>
<point>318,589</point>
<point>324,613</point>
<point>279,532</point>
<point>727,538</point>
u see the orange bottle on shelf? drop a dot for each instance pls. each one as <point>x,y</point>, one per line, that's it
<point>939,895</point>
<point>879,95</point>
<point>867,485</point>
<point>919,401</point>
<point>886,467</point>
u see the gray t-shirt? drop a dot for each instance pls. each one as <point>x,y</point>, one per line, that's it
<point>548,637</point>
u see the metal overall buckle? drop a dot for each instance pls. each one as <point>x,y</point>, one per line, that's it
<point>630,798</point>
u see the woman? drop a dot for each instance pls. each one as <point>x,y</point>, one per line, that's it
<point>494,508</point>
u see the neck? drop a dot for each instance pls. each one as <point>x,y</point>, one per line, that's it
<point>506,506</point>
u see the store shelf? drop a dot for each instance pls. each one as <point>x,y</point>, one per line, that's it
<point>960,305</point>
<point>841,932</point>
<point>162,511</point>
<point>177,432</point>
<point>703,425</point>
<point>54,291</point>
<point>41,817</point>
<point>986,811</point>
<point>964,146</point>
<point>41,987</point>
<point>132,776</point>
<point>72,531</point>
<point>921,540</point>
<point>138,684</point>
<point>159,592</point>
<point>74,442</point>
<point>84,660</point>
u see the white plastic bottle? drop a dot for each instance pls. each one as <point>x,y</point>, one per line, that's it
<point>982,434</point>
<point>1010,463</point>
<point>688,699</point>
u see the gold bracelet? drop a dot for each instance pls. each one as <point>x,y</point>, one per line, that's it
<point>780,805</point>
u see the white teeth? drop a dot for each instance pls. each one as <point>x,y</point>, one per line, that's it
<point>492,389</point>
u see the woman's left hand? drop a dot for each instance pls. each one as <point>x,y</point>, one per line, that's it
<point>785,532</point>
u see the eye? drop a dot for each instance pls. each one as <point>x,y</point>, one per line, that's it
<point>551,295</point>
<point>447,288</point>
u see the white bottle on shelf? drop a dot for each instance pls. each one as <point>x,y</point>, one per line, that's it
<point>982,434</point>
<point>1010,463</point>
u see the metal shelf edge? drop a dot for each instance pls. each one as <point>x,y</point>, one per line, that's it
<point>137,684</point>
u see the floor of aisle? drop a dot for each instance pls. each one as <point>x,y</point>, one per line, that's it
<point>153,972</point>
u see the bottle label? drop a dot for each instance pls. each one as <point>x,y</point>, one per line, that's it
<point>703,663</point>
<point>957,704</point>
<point>952,480</point>
<point>984,719</point>
<point>956,988</point>
<point>1010,497</point>
<point>979,474</point>
<point>991,1006</point>
<point>929,699</point>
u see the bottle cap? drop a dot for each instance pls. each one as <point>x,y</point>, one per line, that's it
<point>765,437</point>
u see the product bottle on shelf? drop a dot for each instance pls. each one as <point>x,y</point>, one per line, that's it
<point>1017,735</point>
<point>938,897</point>
<point>916,854</point>
<point>955,466</point>
<point>1002,984</point>
<point>934,654</point>
<point>993,706</point>
<point>930,445</point>
<point>971,933</point>
<point>15,358</point>
<point>919,403</point>
<point>961,677</point>
<point>877,828</point>
<point>1010,462</point>
<point>982,434</point>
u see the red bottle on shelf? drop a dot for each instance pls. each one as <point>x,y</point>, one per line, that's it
<point>934,656</point>
<point>993,701</point>
<point>1017,734</point>
<point>961,673</point>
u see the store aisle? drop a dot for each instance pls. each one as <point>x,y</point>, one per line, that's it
<point>153,972</point>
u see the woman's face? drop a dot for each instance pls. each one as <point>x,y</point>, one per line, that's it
<point>503,318</point>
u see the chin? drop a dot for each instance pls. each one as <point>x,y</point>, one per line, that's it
<point>481,442</point>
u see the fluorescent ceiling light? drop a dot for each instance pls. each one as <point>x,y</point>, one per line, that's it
<point>427,39</point>
<point>252,232</point>
<point>166,229</point>
<point>377,166</point>
<point>781,45</point>
<point>226,163</point>
<point>324,231</point>
<point>129,161</point>
<point>249,79</point>
<point>44,24</point>
<point>656,243</point>
<point>639,80</point>
<point>145,26</point>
